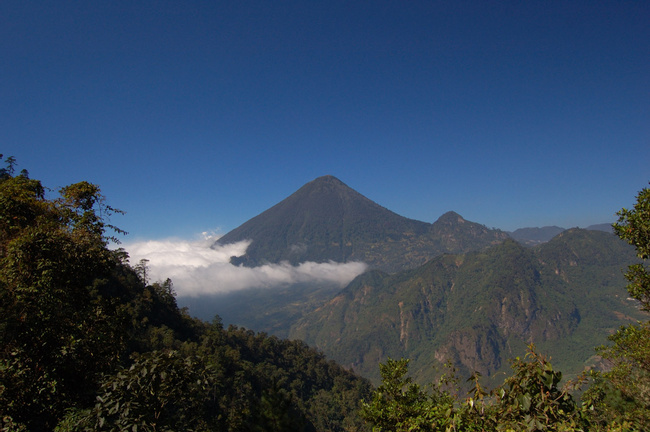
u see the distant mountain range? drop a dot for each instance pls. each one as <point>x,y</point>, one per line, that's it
<point>535,236</point>
<point>453,289</point>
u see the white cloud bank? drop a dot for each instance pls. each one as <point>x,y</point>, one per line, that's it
<point>198,269</point>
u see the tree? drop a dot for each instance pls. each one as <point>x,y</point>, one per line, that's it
<point>621,396</point>
<point>398,404</point>
<point>87,343</point>
<point>528,400</point>
<point>160,391</point>
<point>59,329</point>
<point>8,171</point>
<point>633,226</point>
<point>531,399</point>
<point>142,270</point>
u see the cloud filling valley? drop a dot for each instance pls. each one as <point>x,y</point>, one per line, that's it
<point>196,267</point>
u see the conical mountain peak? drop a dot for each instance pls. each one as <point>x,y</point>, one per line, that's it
<point>327,179</point>
<point>325,220</point>
<point>323,186</point>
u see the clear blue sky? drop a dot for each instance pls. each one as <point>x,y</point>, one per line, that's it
<point>199,115</point>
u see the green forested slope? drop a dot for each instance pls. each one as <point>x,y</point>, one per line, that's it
<point>481,308</point>
<point>86,343</point>
<point>532,396</point>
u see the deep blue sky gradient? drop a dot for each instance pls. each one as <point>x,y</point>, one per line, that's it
<point>199,115</point>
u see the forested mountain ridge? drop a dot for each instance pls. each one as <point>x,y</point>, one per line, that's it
<point>480,308</point>
<point>325,220</point>
<point>88,344</point>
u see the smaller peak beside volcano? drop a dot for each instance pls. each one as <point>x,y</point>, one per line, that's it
<point>460,235</point>
<point>451,217</point>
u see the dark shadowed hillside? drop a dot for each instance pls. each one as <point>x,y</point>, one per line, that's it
<point>87,344</point>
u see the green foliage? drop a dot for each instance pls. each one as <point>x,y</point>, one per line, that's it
<point>59,327</point>
<point>88,343</point>
<point>621,395</point>
<point>158,392</point>
<point>531,400</point>
<point>528,400</point>
<point>85,207</point>
<point>326,394</point>
<point>398,404</point>
<point>633,226</point>
<point>480,308</point>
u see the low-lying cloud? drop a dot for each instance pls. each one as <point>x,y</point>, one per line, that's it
<point>197,269</point>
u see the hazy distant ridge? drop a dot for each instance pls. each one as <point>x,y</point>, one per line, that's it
<point>533,236</point>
